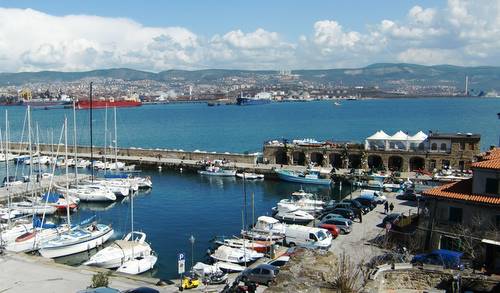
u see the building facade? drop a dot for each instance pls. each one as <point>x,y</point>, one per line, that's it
<point>407,153</point>
<point>465,215</point>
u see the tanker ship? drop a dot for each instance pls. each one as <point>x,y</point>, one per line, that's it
<point>109,103</point>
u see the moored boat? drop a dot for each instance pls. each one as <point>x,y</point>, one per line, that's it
<point>308,177</point>
<point>217,171</point>
<point>249,176</point>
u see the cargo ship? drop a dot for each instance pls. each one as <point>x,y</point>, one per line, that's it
<point>258,99</point>
<point>110,103</point>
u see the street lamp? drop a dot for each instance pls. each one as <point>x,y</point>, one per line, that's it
<point>498,116</point>
<point>192,239</point>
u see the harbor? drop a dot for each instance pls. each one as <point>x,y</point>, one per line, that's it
<point>184,205</point>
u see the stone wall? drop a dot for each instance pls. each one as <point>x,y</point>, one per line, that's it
<point>142,153</point>
<point>400,160</point>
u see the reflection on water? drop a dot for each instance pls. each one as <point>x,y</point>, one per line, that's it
<point>96,206</point>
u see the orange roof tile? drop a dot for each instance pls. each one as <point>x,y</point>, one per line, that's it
<point>461,190</point>
<point>492,154</point>
<point>488,164</point>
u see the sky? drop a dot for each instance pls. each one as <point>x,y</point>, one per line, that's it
<point>159,35</point>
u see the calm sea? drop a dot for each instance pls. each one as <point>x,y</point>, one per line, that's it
<point>184,204</point>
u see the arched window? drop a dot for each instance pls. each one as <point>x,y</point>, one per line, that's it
<point>434,146</point>
<point>443,147</point>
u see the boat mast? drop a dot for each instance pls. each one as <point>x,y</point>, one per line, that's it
<point>39,176</point>
<point>67,175</point>
<point>75,144</point>
<point>30,149</point>
<point>116,144</point>
<point>105,136</point>
<point>7,164</point>
<point>91,141</point>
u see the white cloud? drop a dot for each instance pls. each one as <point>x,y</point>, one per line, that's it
<point>465,32</point>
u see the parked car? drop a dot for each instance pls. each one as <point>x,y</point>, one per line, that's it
<point>408,194</point>
<point>309,237</point>
<point>449,259</point>
<point>334,230</point>
<point>358,205</point>
<point>391,218</point>
<point>262,274</point>
<point>346,213</point>
<point>280,261</point>
<point>346,205</point>
<point>366,202</point>
<point>334,216</point>
<point>343,224</point>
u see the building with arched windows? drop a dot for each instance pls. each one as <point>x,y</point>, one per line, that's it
<point>398,152</point>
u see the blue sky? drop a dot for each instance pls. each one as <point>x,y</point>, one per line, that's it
<point>273,34</point>
<point>292,18</point>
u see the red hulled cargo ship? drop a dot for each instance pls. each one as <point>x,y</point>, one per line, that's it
<point>111,103</point>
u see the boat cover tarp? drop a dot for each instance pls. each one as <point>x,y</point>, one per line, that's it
<point>37,223</point>
<point>51,197</point>
<point>202,269</point>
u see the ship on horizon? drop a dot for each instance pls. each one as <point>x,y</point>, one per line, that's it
<point>258,99</point>
<point>107,103</point>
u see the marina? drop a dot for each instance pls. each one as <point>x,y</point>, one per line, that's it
<point>183,203</point>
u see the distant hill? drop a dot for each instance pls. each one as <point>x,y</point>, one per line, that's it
<point>385,75</point>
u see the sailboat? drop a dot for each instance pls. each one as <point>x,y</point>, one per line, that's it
<point>82,237</point>
<point>131,255</point>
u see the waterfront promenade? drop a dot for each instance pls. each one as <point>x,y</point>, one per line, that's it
<point>26,189</point>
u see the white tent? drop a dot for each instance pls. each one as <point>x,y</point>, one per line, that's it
<point>400,135</point>
<point>419,137</point>
<point>379,135</point>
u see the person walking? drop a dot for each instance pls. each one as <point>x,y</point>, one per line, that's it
<point>386,207</point>
<point>360,215</point>
<point>391,207</point>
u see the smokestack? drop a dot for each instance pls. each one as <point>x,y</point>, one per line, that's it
<point>466,85</point>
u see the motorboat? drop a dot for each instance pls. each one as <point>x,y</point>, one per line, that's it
<point>138,265</point>
<point>259,246</point>
<point>82,163</point>
<point>114,165</point>
<point>12,181</point>
<point>91,193</point>
<point>232,255</point>
<point>76,240</point>
<point>308,177</point>
<point>267,229</point>
<point>9,214</point>
<point>210,274</point>
<point>9,157</point>
<point>29,208</point>
<point>133,245</point>
<point>217,171</point>
<point>119,188</point>
<point>290,213</point>
<point>229,267</point>
<point>249,176</point>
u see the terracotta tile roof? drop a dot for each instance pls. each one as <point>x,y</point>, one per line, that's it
<point>492,154</point>
<point>488,164</point>
<point>461,190</point>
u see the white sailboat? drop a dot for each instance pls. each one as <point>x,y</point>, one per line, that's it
<point>232,255</point>
<point>82,237</point>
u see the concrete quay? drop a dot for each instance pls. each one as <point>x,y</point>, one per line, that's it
<point>27,189</point>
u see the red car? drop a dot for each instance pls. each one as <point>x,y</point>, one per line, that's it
<point>334,230</point>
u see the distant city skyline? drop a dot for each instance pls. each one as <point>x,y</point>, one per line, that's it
<point>162,35</point>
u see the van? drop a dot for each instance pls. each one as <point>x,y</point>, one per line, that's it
<point>309,237</point>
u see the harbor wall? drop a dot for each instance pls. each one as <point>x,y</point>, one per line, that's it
<point>139,153</point>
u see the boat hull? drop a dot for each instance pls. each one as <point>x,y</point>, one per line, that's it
<point>285,176</point>
<point>106,104</point>
<point>248,102</point>
<point>225,173</point>
<point>138,265</point>
<point>80,246</point>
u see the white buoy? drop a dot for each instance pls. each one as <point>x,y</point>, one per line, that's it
<point>180,169</point>
<point>159,168</point>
